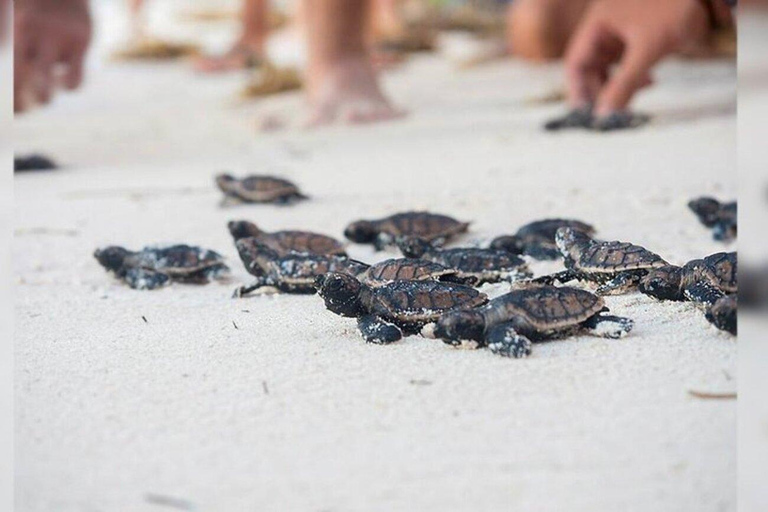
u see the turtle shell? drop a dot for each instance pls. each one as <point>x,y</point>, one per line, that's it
<point>473,260</point>
<point>546,307</point>
<point>722,270</point>
<point>404,269</point>
<point>175,260</point>
<point>545,230</point>
<point>611,257</point>
<point>423,301</point>
<point>297,268</point>
<point>264,189</point>
<point>425,225</point>
<point>303,241</point>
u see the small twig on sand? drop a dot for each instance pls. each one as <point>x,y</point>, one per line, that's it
<point>236,327</point>
<point>705,395</point>
<point>421,382</point>
<point>264,387</point>
<point>145,319</point>
<point>46,231</point>
<point>168,501</point>
<point>136,193</point>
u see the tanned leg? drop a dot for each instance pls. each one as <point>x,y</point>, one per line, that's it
<point>249,48</point>
<point>342,85</point>
<point>540,29</point>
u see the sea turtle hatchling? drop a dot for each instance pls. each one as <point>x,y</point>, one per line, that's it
<point>285,241</point>
<point>617,267</point>
<point>400,308</point>
<point>537,239</point>
<point>481,265</point>
<point>704,280</point>
<point>509,323</point>
<point>385,232</point>
<point>153,267</point>
<point>257,189</point>
<point>720,217</point>
<point>723,314</point>
<point>289,273</point>
<point>583,117</point>
<point>410,269</point>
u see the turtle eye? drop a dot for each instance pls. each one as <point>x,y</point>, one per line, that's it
<point>334,285</point>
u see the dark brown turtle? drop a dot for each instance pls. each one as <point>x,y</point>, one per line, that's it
<point>33,162</point>
<point>153,267</point>
<point>723,314</point>
<point>401,308</point>
<point>410,269</point>
<point>285,241</point>
<point>703,281</point>
<point>257,189</point>
<point>617,267</point>
<point>537,239</point>
<point>480,265</point>
<point>433,227</point>
<point>289,273</point>
<point>508,324</point>
<point>720,217</point>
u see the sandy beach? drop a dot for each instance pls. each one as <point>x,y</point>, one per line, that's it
<point>186,398</point>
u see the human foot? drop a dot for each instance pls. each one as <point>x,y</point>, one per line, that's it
<point>242,55</point>
<point>349,92</point>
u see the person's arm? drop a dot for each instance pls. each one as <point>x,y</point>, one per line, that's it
<point>50,41</point>
<point>635,35</point>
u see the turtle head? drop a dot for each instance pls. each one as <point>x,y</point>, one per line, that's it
<point>341,293</point>
<point>112,257</point>
<point>456,326</point>
<point>225,181</point>
<point>508,243</point>
<point>242,229</point>
<point>361,232</point>
<point>571,241</point>
<point>664,283</point>
<point>707,209</point>
<point>255,255</point>
<point>413,246</point>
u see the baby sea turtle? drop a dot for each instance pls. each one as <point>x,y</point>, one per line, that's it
<point>537,239</point>
<point>257,189</point>
<point>292,272</point>
<point>410,269</point>
<point>583,117</point>
<point>401,308</point>
<point>704,280</point>
<point>285,241</point>
<point>33,162</point>
<point>617,267</point>
<point>153,267</point>
<point>434,228</point>
<point>509,323</point>
<point>481,265</point>
<point>720,217</point>
<point>723,314</point>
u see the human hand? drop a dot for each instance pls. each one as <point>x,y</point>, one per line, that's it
<point>633,34</point>
<point>50,41</point>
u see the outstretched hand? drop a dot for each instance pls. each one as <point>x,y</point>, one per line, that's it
<point>50,41</point>
<point>633,34</point>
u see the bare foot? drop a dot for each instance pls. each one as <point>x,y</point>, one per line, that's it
<point>242,56</point>
<point>348,92</point>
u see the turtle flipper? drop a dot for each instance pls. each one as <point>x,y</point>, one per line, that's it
<point>383,241</point>
<point>260,282</point>
<point>562,277</point>
<point>609,326</point>
<point>145,279</point>
<point>723,315</point>
<point>622,283</point>
<point>703,292</point>
<point>376,330</point>
<point>724,231</point>
<point>503,340</point>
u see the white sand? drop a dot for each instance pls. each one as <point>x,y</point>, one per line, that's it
<point>291,410</point>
